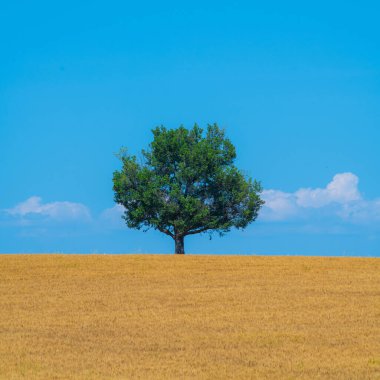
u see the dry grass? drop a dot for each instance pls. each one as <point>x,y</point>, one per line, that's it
<point>200,317</point>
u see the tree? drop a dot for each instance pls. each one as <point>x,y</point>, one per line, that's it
<point>186,184</point>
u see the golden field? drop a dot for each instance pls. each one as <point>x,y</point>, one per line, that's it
<point>180,317</point>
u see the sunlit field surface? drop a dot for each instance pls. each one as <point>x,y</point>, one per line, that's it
<point>166,316</point>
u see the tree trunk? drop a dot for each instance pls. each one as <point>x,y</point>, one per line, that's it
<point>179,244</point>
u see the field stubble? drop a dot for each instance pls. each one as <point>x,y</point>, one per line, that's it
<point>165,316</point>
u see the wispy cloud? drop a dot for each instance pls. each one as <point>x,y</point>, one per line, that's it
<point>112,217</point>
<point>59,211</point>
<point>340,198</point>
<point>278,205</point>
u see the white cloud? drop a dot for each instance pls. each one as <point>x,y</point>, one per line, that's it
<point>342,189</point>
<point>112,217</point>
<point>278,205</point>
<point>34,206</point>
<point>340,198</point>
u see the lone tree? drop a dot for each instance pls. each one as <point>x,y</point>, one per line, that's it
<point>186,184</point>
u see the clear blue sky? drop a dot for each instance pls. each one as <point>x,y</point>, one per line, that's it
<point>295,84</point>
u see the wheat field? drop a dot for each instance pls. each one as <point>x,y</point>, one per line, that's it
<point>188,317</point>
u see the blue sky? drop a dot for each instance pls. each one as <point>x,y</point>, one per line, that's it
<point>295,84</point>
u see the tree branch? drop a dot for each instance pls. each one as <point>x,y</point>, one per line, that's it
<point>197,231</point>
<point>165,231</point>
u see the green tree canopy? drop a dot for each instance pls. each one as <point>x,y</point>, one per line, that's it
<point>186,184</point>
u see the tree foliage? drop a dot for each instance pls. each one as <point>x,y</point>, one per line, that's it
<point>185,184</point>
